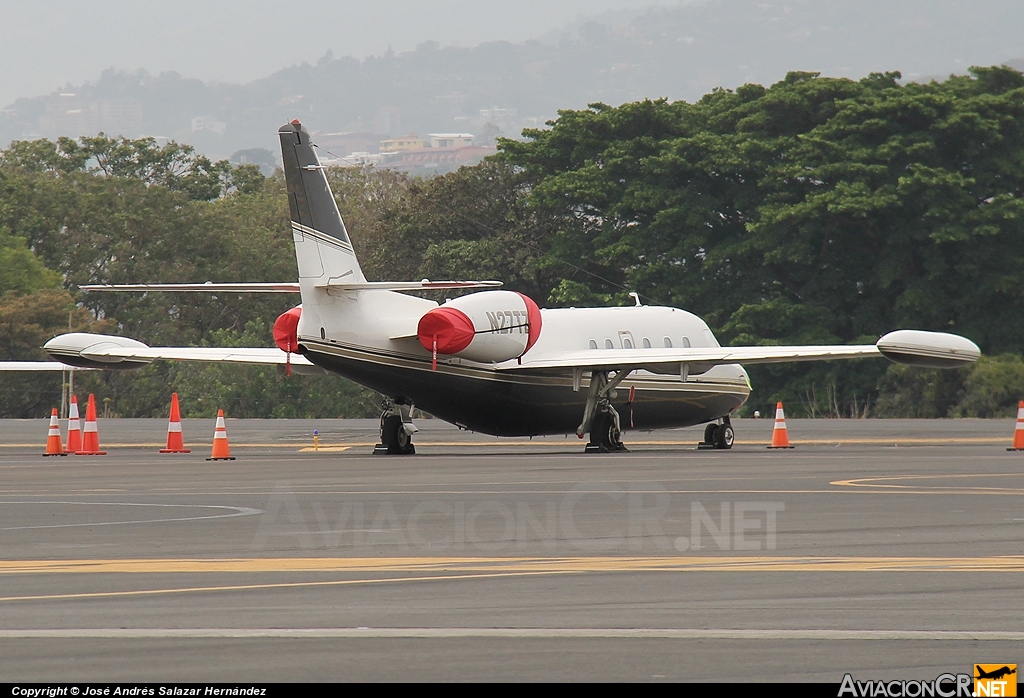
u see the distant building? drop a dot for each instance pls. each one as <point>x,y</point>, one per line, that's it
<point>209,123</point>
<point>398,145</point>
<point>357,159</point>
<point>389,120</point>
<point>66,114</point>
<point>260,157</point>
<point>339,145</point>
<point>450,140</point>
<point>446,159</point>
<point>503,118</point>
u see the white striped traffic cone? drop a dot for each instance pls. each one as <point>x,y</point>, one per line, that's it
<point>221,450</point>
<point>175,440</point>
<point>780,435</point>
<point>54,447</point>
<point>91,435</point>
<point>74,427</point>
<point>1018,431</point>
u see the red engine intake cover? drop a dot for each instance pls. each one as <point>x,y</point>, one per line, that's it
<point>286,330</point>
<point>452,328</point>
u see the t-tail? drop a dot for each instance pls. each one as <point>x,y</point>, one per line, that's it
<point>323,249</point>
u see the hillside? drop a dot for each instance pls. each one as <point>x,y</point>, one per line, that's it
<point>678,52</point>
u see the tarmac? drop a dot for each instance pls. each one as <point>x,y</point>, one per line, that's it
<point>888,549</point>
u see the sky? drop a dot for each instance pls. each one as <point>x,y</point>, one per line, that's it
<point>46,44</point>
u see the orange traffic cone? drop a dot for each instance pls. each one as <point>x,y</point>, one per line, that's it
<point>221,451</point>
<point>175,443</point>
<point>90,437</point>
<point>54,447</point>
<point>74,427</point>
<point>780,436</point>
<point>1018,431</point>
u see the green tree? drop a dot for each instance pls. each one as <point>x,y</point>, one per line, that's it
<point>816,210</point>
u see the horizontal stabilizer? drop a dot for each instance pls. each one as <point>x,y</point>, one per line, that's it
<point>288,287</point>
<point>208,287</point>
<point>425,285</point>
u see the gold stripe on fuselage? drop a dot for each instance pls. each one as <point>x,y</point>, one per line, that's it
<point>694,385</point>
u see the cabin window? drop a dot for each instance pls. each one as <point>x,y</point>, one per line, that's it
<point>593,344</point>
<point>608,344</point>
<point>627,343</point>
<point>668,342</point>
<point>647,343</point>
<point>686,342</point>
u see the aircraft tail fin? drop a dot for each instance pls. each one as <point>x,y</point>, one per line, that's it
<point>322,246</point>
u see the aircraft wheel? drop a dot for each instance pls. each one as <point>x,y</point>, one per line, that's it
<point>724,436</point>
<point>709,433</point>
<point>605,434</point>
<point>393,436</point>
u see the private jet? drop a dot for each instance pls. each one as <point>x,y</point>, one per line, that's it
<point>490,361</point>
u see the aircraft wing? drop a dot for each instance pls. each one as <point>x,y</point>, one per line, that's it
<point>238,355</point>
<point>83,349</point>
<point>37,366</point>
<point>915,347</point>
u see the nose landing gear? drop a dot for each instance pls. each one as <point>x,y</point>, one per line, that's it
<point>600,418</point>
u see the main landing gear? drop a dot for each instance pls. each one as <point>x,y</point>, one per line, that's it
<point>599,417</point>
<point>719,436</point>
<point>396,429</point>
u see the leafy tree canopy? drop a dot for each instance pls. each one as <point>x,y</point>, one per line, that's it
<point>813,210</point>
<point>818,209</point>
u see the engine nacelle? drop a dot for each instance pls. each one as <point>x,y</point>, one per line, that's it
<point>490,326</point>
<point>79,349</point>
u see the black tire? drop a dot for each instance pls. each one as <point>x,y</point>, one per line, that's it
<point>709,433</point>
<point>724,437</point>
<point>394,437</point>
<point>604,434</point>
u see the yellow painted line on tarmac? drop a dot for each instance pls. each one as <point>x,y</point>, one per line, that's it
<point>889,484</point>
<point>563,565</point>
<point>253,587</point>
<point>420,569</point>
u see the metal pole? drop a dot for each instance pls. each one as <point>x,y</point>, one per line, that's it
<point>63,394</point>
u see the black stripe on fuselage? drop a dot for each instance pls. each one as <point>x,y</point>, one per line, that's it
<point>520,403</point>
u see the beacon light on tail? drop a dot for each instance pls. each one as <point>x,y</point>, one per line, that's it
<point>489,327</point>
